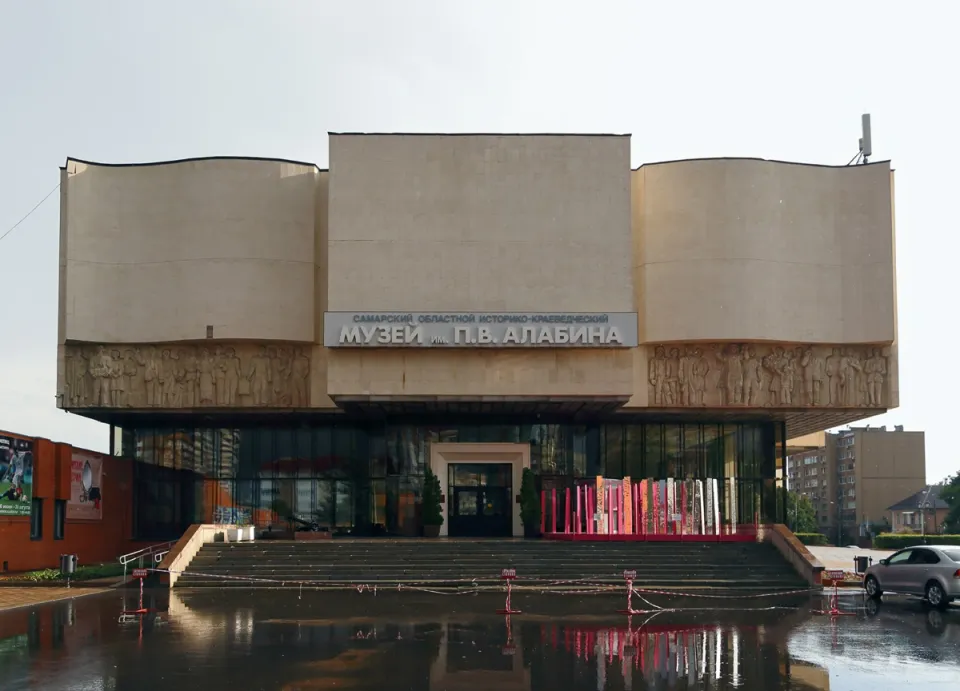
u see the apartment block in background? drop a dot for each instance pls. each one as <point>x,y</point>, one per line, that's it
<point>854,476</point>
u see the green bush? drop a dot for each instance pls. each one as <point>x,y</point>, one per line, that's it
<point>83,573</point>
<point>432,511</point>
<point>812,538</point>
<point>529,502</point>
<point>902,540</point>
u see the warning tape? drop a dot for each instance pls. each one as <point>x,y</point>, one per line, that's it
<point>585,586</point>
<point>710,596</point>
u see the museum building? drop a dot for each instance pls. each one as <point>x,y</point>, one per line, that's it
<point>266,333</point>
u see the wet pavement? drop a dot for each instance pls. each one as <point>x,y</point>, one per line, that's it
<point>14,597</point>
<point>307,641</point>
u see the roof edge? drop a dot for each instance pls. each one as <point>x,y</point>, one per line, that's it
<point>760,160</point>
<point>479,134</point>
<point>175,161</point>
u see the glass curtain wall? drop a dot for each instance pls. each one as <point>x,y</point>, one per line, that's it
<point>367,478</point>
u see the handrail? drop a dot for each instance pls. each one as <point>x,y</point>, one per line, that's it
<point>138,556</point>
<point>144,552</point>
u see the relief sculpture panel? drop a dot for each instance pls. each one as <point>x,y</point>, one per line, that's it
<point>185,376</point>
<point>760,375</point>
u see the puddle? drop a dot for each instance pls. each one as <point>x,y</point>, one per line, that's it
<point>293,641</point>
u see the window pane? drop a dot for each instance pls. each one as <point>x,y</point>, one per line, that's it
<point>59,518</point>
<point>713,444</point>
<point>673,459</point>
<point>344,504</point>
<point>36,519</point>
<point>634,452</point>
<point>654,451</point>
<point>324,503</point>
<point>579,451</point>
<point>613,451</point>
<point>693,452</point>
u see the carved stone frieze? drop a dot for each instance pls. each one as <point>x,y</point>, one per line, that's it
<point>185,376</point>
<point>760,375</point>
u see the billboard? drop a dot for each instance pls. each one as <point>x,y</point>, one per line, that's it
<point>86,476</point>
<point>16,476</point>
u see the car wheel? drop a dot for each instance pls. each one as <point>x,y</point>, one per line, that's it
<point>935,595</point>
<point>872,587</point>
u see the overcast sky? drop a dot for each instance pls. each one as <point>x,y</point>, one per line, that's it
<point>136,81</point>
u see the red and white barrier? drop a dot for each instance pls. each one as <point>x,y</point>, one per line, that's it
<point>508,575</point>
<point>629,577</point>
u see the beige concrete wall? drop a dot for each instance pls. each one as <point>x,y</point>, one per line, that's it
<point>479,373</point>
<point>890,466</point>
<point>750,250</point>
<point>156,253</point>
<point>479,223</point>
<point>319,397</point>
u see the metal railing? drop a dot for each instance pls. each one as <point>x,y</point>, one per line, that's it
<point>154,552</point>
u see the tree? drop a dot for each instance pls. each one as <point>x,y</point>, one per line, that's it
<point>950,493</point>
<point>432,512</point>
<point>529,504</point>
<point>801,516</point>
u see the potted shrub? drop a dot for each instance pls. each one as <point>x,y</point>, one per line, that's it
<point>431,512</point>
<point>529,505</point>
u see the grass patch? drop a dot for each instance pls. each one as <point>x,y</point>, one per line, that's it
<point>83,573</point>
<point>902,540</point>
<point>812,539</point>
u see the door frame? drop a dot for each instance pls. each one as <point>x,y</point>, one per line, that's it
<point>443,454</point>
<point>482,492</point>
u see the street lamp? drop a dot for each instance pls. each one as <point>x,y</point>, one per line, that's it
<point>924,505</point>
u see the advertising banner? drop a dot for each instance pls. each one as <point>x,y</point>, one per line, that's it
<point>86,475</point>
<point>16,476</point>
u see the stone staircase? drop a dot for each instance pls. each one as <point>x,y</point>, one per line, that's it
<point>677,567</point>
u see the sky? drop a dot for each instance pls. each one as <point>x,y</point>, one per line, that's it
<point>142,81</point>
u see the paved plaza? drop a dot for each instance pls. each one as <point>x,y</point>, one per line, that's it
<point>12,598</point>
<point>842,557</point>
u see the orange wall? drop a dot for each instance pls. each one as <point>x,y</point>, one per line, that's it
<point>92,541</point>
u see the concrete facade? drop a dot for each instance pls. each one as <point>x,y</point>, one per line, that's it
<point>203,284</point>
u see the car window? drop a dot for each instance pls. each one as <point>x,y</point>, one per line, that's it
<point>953,554</point>
<point>924,556</point>
<point>901,557</point>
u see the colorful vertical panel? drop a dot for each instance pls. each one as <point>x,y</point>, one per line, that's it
<point>716,506</point>
<point>601,506</point>
<point>627,506</point>
<point>671,506</point>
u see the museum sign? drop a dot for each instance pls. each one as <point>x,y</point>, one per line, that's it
<point>480,330</point>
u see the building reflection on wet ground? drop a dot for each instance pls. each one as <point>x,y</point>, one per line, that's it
<point>313,640</point>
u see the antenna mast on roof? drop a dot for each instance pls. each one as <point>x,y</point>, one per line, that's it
<point>865,145</point>
<point>866,141</point>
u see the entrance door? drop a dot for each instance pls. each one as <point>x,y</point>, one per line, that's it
<point>479,500</point>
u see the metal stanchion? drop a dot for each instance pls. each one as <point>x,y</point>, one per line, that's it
<point>508,575</point>
<point>629,577</point>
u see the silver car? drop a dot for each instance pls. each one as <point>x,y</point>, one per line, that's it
<point>929,572</point>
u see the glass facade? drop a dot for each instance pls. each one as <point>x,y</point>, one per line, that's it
<point>366,477</point>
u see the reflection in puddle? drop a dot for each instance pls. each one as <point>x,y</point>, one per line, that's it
<point>275,640</point>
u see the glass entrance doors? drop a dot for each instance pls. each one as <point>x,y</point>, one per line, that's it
<point>479,500</point>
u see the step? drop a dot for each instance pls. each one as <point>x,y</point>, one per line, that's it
<point>461,563</point>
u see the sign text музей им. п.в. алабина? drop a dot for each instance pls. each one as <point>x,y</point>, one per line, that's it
<point>479,329</point>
